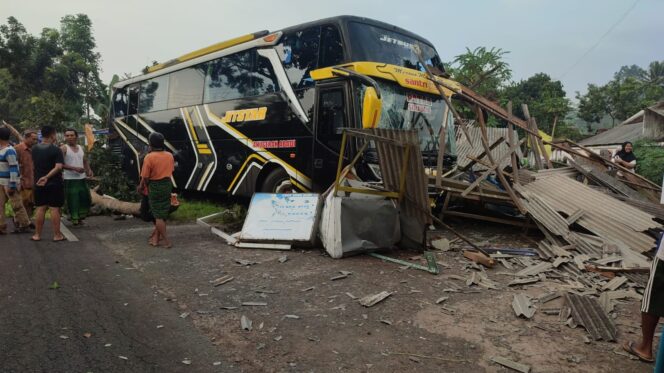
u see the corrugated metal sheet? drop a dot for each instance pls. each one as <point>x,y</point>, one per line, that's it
<point>466,149</point>
<point>587,311</point>
<point>546,215</point>
<point>616,135</point>
<point>565,171</point>
<point>604,216</point>
<point>391,156</point>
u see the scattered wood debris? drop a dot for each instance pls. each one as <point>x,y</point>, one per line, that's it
<point>245,323</point>
<point>523,306</point>
<point>371,300</point>
<point>511,364</point>
<point>222,280</point>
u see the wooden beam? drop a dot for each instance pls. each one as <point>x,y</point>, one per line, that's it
<point>531,139</point>
<point>499,171</point>
<point>541,145</point>
<point>492,219</point>
<point>482,154</point>
<point>441,148</point>
<point>510,138</point>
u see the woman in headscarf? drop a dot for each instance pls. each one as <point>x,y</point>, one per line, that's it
<point>625,156</point>
<point>156,174</point>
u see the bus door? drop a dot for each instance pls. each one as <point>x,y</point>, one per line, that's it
<point>333,110</point>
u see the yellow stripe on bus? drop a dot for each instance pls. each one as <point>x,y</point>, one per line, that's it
<point>190,123</point>
<point>237,176</point>
<point>270,155</point>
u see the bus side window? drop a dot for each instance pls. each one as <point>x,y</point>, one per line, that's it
<point>154,94</point>
<point>133,99</point>
<point>229,77</point>
<point>331,117</point>
<point>299,55</point>
<point>331,49</point>
<point>120,103</point>
<point>186,87</point>
<point>265,81</point>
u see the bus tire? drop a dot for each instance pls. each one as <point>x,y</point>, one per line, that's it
<point>277,181</point>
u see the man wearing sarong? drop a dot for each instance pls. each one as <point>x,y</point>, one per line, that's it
<point>156,175</point>
<point>76,170</point>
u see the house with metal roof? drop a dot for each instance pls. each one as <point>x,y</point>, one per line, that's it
<point>646,124</point>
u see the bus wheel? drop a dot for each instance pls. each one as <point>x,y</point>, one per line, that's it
<point>277,181</point>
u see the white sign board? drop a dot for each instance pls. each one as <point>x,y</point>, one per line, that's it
<point>281,217</point>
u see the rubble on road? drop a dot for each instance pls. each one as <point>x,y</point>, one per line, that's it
<point>371,300</point>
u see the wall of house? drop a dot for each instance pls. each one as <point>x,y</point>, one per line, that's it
<point>653,125</point>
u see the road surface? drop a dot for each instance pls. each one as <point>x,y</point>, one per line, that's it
<point>100,317</point>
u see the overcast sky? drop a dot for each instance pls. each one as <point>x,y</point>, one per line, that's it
<point>558,37</point>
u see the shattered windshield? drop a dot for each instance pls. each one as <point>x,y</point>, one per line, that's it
<point>375,44</point>
<point>408,109</point>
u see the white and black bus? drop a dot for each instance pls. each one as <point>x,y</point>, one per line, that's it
<point>264,112</point>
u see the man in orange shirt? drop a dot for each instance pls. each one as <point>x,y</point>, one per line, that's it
<point>156,175</point>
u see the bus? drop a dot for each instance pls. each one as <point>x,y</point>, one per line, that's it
<point>265,112</point>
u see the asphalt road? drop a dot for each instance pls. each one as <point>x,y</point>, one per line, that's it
<point>103,316</point>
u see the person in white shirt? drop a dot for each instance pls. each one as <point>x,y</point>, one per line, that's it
<point>76,170</point>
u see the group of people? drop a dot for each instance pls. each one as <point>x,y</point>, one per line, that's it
<point>40,176</point>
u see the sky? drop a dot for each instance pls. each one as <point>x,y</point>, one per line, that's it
<point>575,41</point>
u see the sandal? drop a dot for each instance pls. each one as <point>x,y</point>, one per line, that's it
<point>629,348</point>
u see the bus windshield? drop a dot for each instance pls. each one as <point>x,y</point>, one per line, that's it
<point>407,109</point>
<point>375,44</point>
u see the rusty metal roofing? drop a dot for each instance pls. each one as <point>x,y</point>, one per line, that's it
<point>588,312</point>
<point>616,135</point>
<point>604,216</point>
<point>416,201</point>
<point>466,149</point>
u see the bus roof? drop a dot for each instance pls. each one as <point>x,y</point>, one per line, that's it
<point>341,20</point>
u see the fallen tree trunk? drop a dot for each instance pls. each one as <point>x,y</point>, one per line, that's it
<point>131,208</point>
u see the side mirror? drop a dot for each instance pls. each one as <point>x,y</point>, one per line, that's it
<point>371,105</point>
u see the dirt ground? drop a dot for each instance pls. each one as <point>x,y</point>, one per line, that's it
<point>311,323</point>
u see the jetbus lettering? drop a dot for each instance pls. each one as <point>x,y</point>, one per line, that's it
<point>245,115</point>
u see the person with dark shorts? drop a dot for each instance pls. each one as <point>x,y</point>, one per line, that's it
<point>156,175</point>
<point>652,308</point>
<point>49,190</point>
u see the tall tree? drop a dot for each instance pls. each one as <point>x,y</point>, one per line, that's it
<point>545,98</point>
<point>51,78</point>
<point>631,90</point>
<point>482,69</point>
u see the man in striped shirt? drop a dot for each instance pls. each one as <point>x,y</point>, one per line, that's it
<point>9,183</point>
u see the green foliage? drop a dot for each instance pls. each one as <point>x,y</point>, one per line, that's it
<point>545,99</point>
<point>567,130</point>
<point>51,78</point>
<point>631,90</point>
<point>231,218</point>
<point>112,179</point>
<point>650,160</point>
<point>482,69</point>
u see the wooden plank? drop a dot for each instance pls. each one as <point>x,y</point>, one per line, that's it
<point>483,154</point>
<point>517,223</point>
<point>490,169</point>
<point>441,148</point>
<point>541,146</point>
<point>499,171</point>
<point>510,139</point>
<point>531,139</point>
